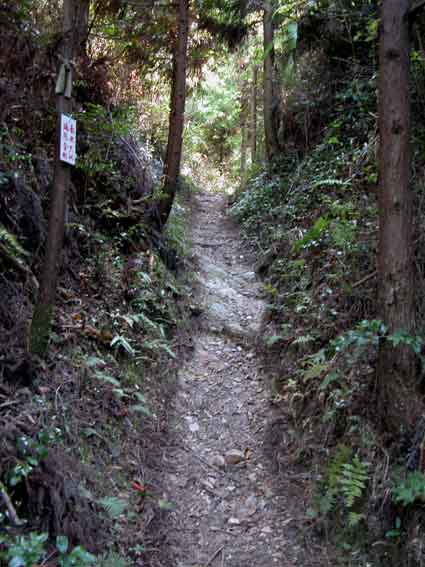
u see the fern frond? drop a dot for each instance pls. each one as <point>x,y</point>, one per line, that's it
<point>113,559</point>
<point>113,506</point>
<point>353,480</point>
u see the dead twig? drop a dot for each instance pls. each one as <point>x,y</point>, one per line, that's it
<point>203,461</point>
<point>364,280</point>
<point>11,512</point>
<point>211,559</point>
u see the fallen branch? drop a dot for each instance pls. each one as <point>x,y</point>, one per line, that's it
<point>416,8</point>
<point>219,550</point>
<point>11,512</point>
<point>364,280</point>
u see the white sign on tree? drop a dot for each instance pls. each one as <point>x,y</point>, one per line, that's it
<point>68,140</point>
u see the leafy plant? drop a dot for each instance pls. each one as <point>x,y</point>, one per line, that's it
<point>113,506</point>
<point>113,559</point>
<point>313,235</point>
<point>410,490</point>
<point>10,247</point>
<point>31,452</point>
<point>78,557</point>
<point>29,550</point>
<point>119,341</point>
<point>353,480</point>
<point>344,485</point>
<point>24,551</point>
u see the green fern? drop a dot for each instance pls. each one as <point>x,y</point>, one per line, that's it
<point>113,559</point>
<point>334,469</point>
<point>353,480</point>
<point>10,246</point>
<point>345,482</point>
<point>411,489</point>
<point>354,519</point>
<point>113,506</point>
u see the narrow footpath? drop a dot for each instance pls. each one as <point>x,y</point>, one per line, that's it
<point>234,505</point>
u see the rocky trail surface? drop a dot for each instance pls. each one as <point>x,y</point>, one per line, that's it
<point>236,504</point>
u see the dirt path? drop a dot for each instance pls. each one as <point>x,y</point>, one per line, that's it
<point>234,506</point>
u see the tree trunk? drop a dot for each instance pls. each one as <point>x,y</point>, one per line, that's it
<point>43,312</point>
<point>270,99</point>
<point>176,124</point>
<point>81,27</point>
<point>244,106</point>
<point>398,402</point>
<point>253,129</point>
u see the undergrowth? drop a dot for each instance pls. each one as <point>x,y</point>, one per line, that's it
<point>314,223</point>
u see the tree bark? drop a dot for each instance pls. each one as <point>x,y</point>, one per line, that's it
<point>253,129</point>
<point>176,123</point>
<point>398,402</point>
<point>244,131</point>
<point>270,99</point>
<point>81,27</point>
<point>43,312</point>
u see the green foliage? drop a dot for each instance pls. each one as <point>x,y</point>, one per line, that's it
<point>120,341</point>
<point>14,156</point>
<point>213,112</point>
<point>10,247</point>
<point>113,559</point>
<point>343,487</point>
<point>313,236</point>
<point>122,392</point>
<point>29,550</point>
<point>101,129</point>
<point>113,506</point>
<point>410,490</point>
<point>31,452</point>
<point>24,551</point>
<point>348,349</point>
<point>353,480</point>
<point>78,557</point>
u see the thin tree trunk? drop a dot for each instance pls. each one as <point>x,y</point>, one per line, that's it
<point>253,129</point>
<point>43,312</point>
<point>244,138</point>
<point>244,122</point>
<point>270,99</point>
<point>398,402</point>
<point>176,124</point>
<point>81,27</point>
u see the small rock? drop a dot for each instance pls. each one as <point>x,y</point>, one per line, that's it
<point>233,521</point>
<point>193,424</point>
<point>266,530</point>
<point>208,485</point>
<point>218,461</point>
<point>250,507</point>
<point>234,457</point>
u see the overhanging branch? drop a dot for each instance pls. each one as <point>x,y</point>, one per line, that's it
<point>416,7</point>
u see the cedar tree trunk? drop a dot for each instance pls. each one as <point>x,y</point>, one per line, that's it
<point>43,312</point>
<point>270,99</point>
<point>398,401</point>
<point>244,133</point>
<point>253,132</point>
<point>176,124</point>
<point>81,27</point>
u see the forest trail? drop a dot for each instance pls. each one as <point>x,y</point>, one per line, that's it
<point>237,503</point>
